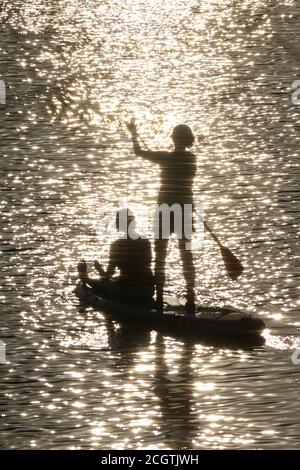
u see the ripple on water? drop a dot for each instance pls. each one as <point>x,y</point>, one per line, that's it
<point>76,71</point>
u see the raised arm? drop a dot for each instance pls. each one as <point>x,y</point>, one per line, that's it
<point>105,273</point>
<point>155,157</point>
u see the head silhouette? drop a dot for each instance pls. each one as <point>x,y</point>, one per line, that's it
<point>124,219</point>
<point>183,136</point>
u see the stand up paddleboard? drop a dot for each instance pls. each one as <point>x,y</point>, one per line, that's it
<point>225,321</point>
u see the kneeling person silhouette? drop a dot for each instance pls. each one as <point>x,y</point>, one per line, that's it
<point>132,256</point>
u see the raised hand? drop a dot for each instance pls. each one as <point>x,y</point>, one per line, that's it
<point>99,267</point>
<point>131,126</point>
<point>82,270</point>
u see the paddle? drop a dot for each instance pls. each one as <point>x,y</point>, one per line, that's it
<point>233,266</point>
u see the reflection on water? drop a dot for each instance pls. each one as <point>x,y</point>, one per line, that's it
<point>75,72</point>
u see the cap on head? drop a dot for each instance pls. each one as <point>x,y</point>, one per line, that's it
<point>183,136</point>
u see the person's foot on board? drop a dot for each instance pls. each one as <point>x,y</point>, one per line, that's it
<point>82,270</point>
<point>190,306</point>
<point>159,304</point>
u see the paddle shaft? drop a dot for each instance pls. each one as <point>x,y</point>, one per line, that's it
<point>213,235</point>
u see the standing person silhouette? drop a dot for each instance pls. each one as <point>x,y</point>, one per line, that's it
<point>178,169</point>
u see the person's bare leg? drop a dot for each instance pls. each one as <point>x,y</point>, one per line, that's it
<point>160,259</point>
<point>189,274</point>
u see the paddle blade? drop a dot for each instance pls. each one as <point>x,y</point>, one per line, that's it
<point>233,266</point>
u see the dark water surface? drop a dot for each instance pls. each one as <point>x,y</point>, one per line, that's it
<point>75,71</point>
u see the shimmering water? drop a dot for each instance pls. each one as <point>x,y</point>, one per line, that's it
<point>75,71</point>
